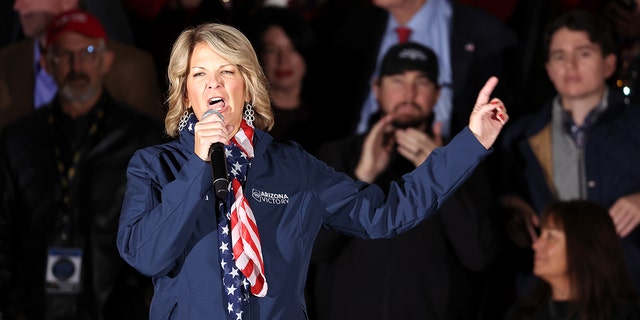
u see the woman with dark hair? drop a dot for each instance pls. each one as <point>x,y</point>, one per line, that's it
<point>285,44</point>
<point>580,268</point>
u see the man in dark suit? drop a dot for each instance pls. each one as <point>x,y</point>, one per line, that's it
<point>132,79</point>
<point>471,45</point>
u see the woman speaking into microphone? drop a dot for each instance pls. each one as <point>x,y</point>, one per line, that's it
<point>245,255</point>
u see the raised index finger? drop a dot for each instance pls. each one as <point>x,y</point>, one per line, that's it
<point>485,92</point>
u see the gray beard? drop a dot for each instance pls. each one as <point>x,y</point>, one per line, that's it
<point>78,95</point>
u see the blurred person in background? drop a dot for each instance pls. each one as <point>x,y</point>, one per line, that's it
<point>9,24</point>
<point>583,143</point>
<point>448,252</point>
<point>242,251</point>
<point>286,47</point>
<point>579,267</point>
<point>625,18</point>
<point>62,180</point>
<point>470,43</point>
<point>157,23</point>
<point>131,80</point>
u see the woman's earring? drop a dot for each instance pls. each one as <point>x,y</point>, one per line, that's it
<point>249,114</point>
<point>184,119</point>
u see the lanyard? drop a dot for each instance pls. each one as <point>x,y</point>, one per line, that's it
<point>68,171</point>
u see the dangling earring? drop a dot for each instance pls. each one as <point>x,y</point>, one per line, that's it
<point>184,119</point>
<point>249,114</point>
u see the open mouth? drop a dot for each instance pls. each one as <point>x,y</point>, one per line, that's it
<point>213,101</point>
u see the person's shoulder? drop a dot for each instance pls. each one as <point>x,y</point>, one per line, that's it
<point>19,46</point>
<point>31,120</point>
<point>482,23</point>
<point>621,110</point>
<point>29,127</point>
<point>123,109</point>
<point>264,144</point>
<point>514,312</point>
<point>525,126</point>
<point>16,55</point>
<point>342,153</point>
<point>618,100</point>
<point>626,311</point>
<point>286,148</point>
<point>130,56</point>
<point>170,148</point>
<point>362,18</point>
<point>135,115</point>
<point>345,144</point>
<point>474,13</point>
<point>125,114</point>
<point>369,11</point>
<point>534,119</point>
<point>155,159</point>
<point>282,151</point>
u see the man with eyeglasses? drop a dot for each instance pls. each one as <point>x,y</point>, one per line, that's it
<point>26,86</point>
<point>62,173</point>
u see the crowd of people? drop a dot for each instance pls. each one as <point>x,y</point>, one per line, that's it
<point>383,159</point>
<point>62,170</point>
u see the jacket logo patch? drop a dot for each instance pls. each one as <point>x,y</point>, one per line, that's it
<point>269,197</point>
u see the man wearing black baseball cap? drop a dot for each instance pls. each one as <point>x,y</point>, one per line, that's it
<point>378,279</point>
<point>410,56</point>
<point>407,88</point>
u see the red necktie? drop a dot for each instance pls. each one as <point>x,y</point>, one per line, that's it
<point>403,34</point>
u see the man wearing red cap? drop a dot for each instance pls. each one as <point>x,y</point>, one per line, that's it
<point>27,86</point>
<point>62,169</point>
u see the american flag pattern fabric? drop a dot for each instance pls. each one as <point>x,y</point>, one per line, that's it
<point>246,242</point>
<point>240,251</point>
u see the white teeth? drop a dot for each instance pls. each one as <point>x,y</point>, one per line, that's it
<point>213,101</point>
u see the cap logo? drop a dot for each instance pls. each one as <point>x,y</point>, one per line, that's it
<point>412,54</point>
<point>75,20</point>
<point>77,17</point>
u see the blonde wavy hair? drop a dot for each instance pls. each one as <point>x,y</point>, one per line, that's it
<point>234,47</point>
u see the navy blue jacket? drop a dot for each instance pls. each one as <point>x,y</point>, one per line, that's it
<point>612,157</point>
<point>168,222</point>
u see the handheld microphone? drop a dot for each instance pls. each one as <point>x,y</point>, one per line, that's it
<point>218,162</point>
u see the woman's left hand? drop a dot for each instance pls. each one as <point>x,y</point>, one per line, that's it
<point>488,117</point>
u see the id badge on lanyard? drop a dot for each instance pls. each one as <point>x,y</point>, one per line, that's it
<point>64,270</point>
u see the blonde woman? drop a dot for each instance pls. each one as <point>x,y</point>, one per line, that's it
<point>244,255</point>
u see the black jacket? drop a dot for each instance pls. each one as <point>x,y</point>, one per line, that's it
<point>32,207</point>
<point>433,271</point>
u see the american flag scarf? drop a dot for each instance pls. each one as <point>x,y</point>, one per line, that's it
<point>242,264</point>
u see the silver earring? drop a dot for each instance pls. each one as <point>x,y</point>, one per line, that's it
<point>183,120</point>
<point>249,114</point>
